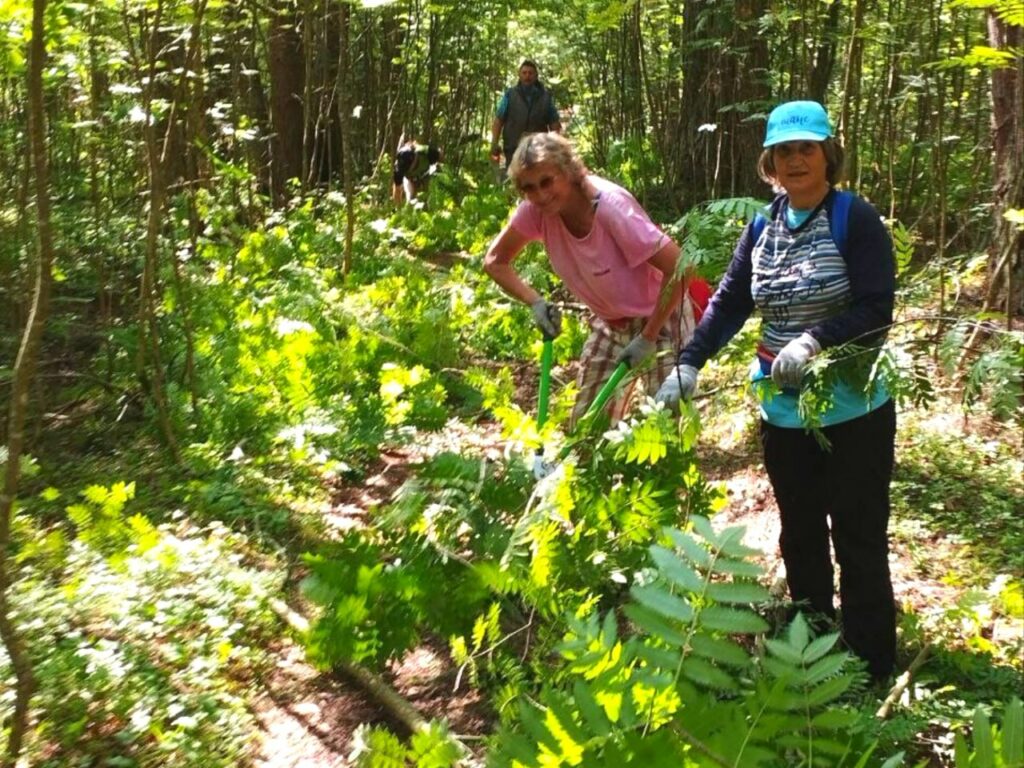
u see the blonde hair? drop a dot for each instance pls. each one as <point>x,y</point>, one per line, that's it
<point>835,159</point>
<point>537,148</point>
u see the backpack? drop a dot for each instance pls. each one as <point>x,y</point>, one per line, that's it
<point>837,220</point>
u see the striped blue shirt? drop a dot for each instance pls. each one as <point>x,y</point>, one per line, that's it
<point>800,282</point>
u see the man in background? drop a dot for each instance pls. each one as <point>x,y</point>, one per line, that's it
<point>526,107</point>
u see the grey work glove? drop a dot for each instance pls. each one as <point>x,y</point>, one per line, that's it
<point>637,351</point>
<point>788,366</point>
<point>548,318</point>
<point>680,384</point>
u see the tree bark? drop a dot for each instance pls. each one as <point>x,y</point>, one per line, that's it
<point>1008,155</point>
<point>725,81</point>
<point>287,75</point>
<point>157,152</point>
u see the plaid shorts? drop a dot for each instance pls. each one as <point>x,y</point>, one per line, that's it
<point>605,344</point>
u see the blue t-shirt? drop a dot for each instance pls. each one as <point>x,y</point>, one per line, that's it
<point>797,278</point>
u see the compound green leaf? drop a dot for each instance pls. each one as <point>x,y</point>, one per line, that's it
<point>834,719</point>
<point>819,647</point>
<point>660,601</point>
<point>720,649</point>
<point>725,565</point>
<point>591,711</point>
<point>703,528</point>
<point>734,620</point>
<point>675,570</point>
<point>654,625</point>
<point>707,674</point>
<point>784,651</point>
<point>737,593</point>
<point>829,690</point>
<point>825,668</point>
<point>659,658</point>
<point>690,547</point>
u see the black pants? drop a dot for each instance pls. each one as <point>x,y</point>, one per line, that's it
<point>849,486</point>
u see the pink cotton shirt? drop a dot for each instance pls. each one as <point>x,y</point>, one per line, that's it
<point>608,268</point>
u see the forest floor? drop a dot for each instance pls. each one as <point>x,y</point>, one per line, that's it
<point>309,719</point>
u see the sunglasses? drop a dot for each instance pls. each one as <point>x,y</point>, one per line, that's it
<point>544,183</point>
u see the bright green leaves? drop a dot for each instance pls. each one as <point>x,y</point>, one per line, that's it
<point>100,520</point>
<point>432,747</point>
<point>675,569</point>
<point>412,396</point>
<point>710,233</point>
<point>692,601</point>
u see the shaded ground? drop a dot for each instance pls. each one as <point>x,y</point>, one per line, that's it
<point>308,718</point>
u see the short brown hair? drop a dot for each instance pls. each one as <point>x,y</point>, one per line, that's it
<point>835,159</point>
<point>537,148</point>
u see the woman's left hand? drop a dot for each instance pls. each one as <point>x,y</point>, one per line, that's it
<point>788,366</point>
<point>637,351</point>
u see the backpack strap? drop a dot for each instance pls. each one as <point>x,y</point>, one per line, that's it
<point>839,218</point>
<point>757,227</point>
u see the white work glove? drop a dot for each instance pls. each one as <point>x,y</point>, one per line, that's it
<point>680,384</point>
<point>788,366</point>
<point>547,317</point>
<point>637,351</point>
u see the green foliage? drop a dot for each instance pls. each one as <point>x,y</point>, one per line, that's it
<point>100,523</point>
<point>709,233</point>
<point>992,746</point>
<point>632,162</point>
<point>380,591</point>
<point>997,376</point>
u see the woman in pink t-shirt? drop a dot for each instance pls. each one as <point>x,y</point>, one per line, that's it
<point>609,254</point>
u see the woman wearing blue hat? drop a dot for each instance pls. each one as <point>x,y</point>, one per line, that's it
<point>819,267</point>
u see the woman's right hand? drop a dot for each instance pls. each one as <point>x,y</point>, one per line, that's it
<point>547,317</point>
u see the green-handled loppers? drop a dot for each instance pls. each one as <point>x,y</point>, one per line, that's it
<point>541,468</point>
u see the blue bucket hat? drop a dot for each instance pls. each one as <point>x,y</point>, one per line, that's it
<point>797,121</point>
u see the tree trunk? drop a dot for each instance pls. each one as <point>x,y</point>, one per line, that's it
<point>726,70</point>
<point>1008,154</point>
<point>346,134</point>
<point>24,368</point>
<point>157,151</point>
<point>825,58</point>
<point>287,74</point>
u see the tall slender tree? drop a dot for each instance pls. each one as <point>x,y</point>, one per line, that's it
<point>24,370</point>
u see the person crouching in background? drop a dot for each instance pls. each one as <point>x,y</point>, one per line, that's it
<point>415,163</point>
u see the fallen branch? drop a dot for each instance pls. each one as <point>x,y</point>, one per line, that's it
<point>390,699</point>
<point>386,696</point>
<point>901,684</point>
